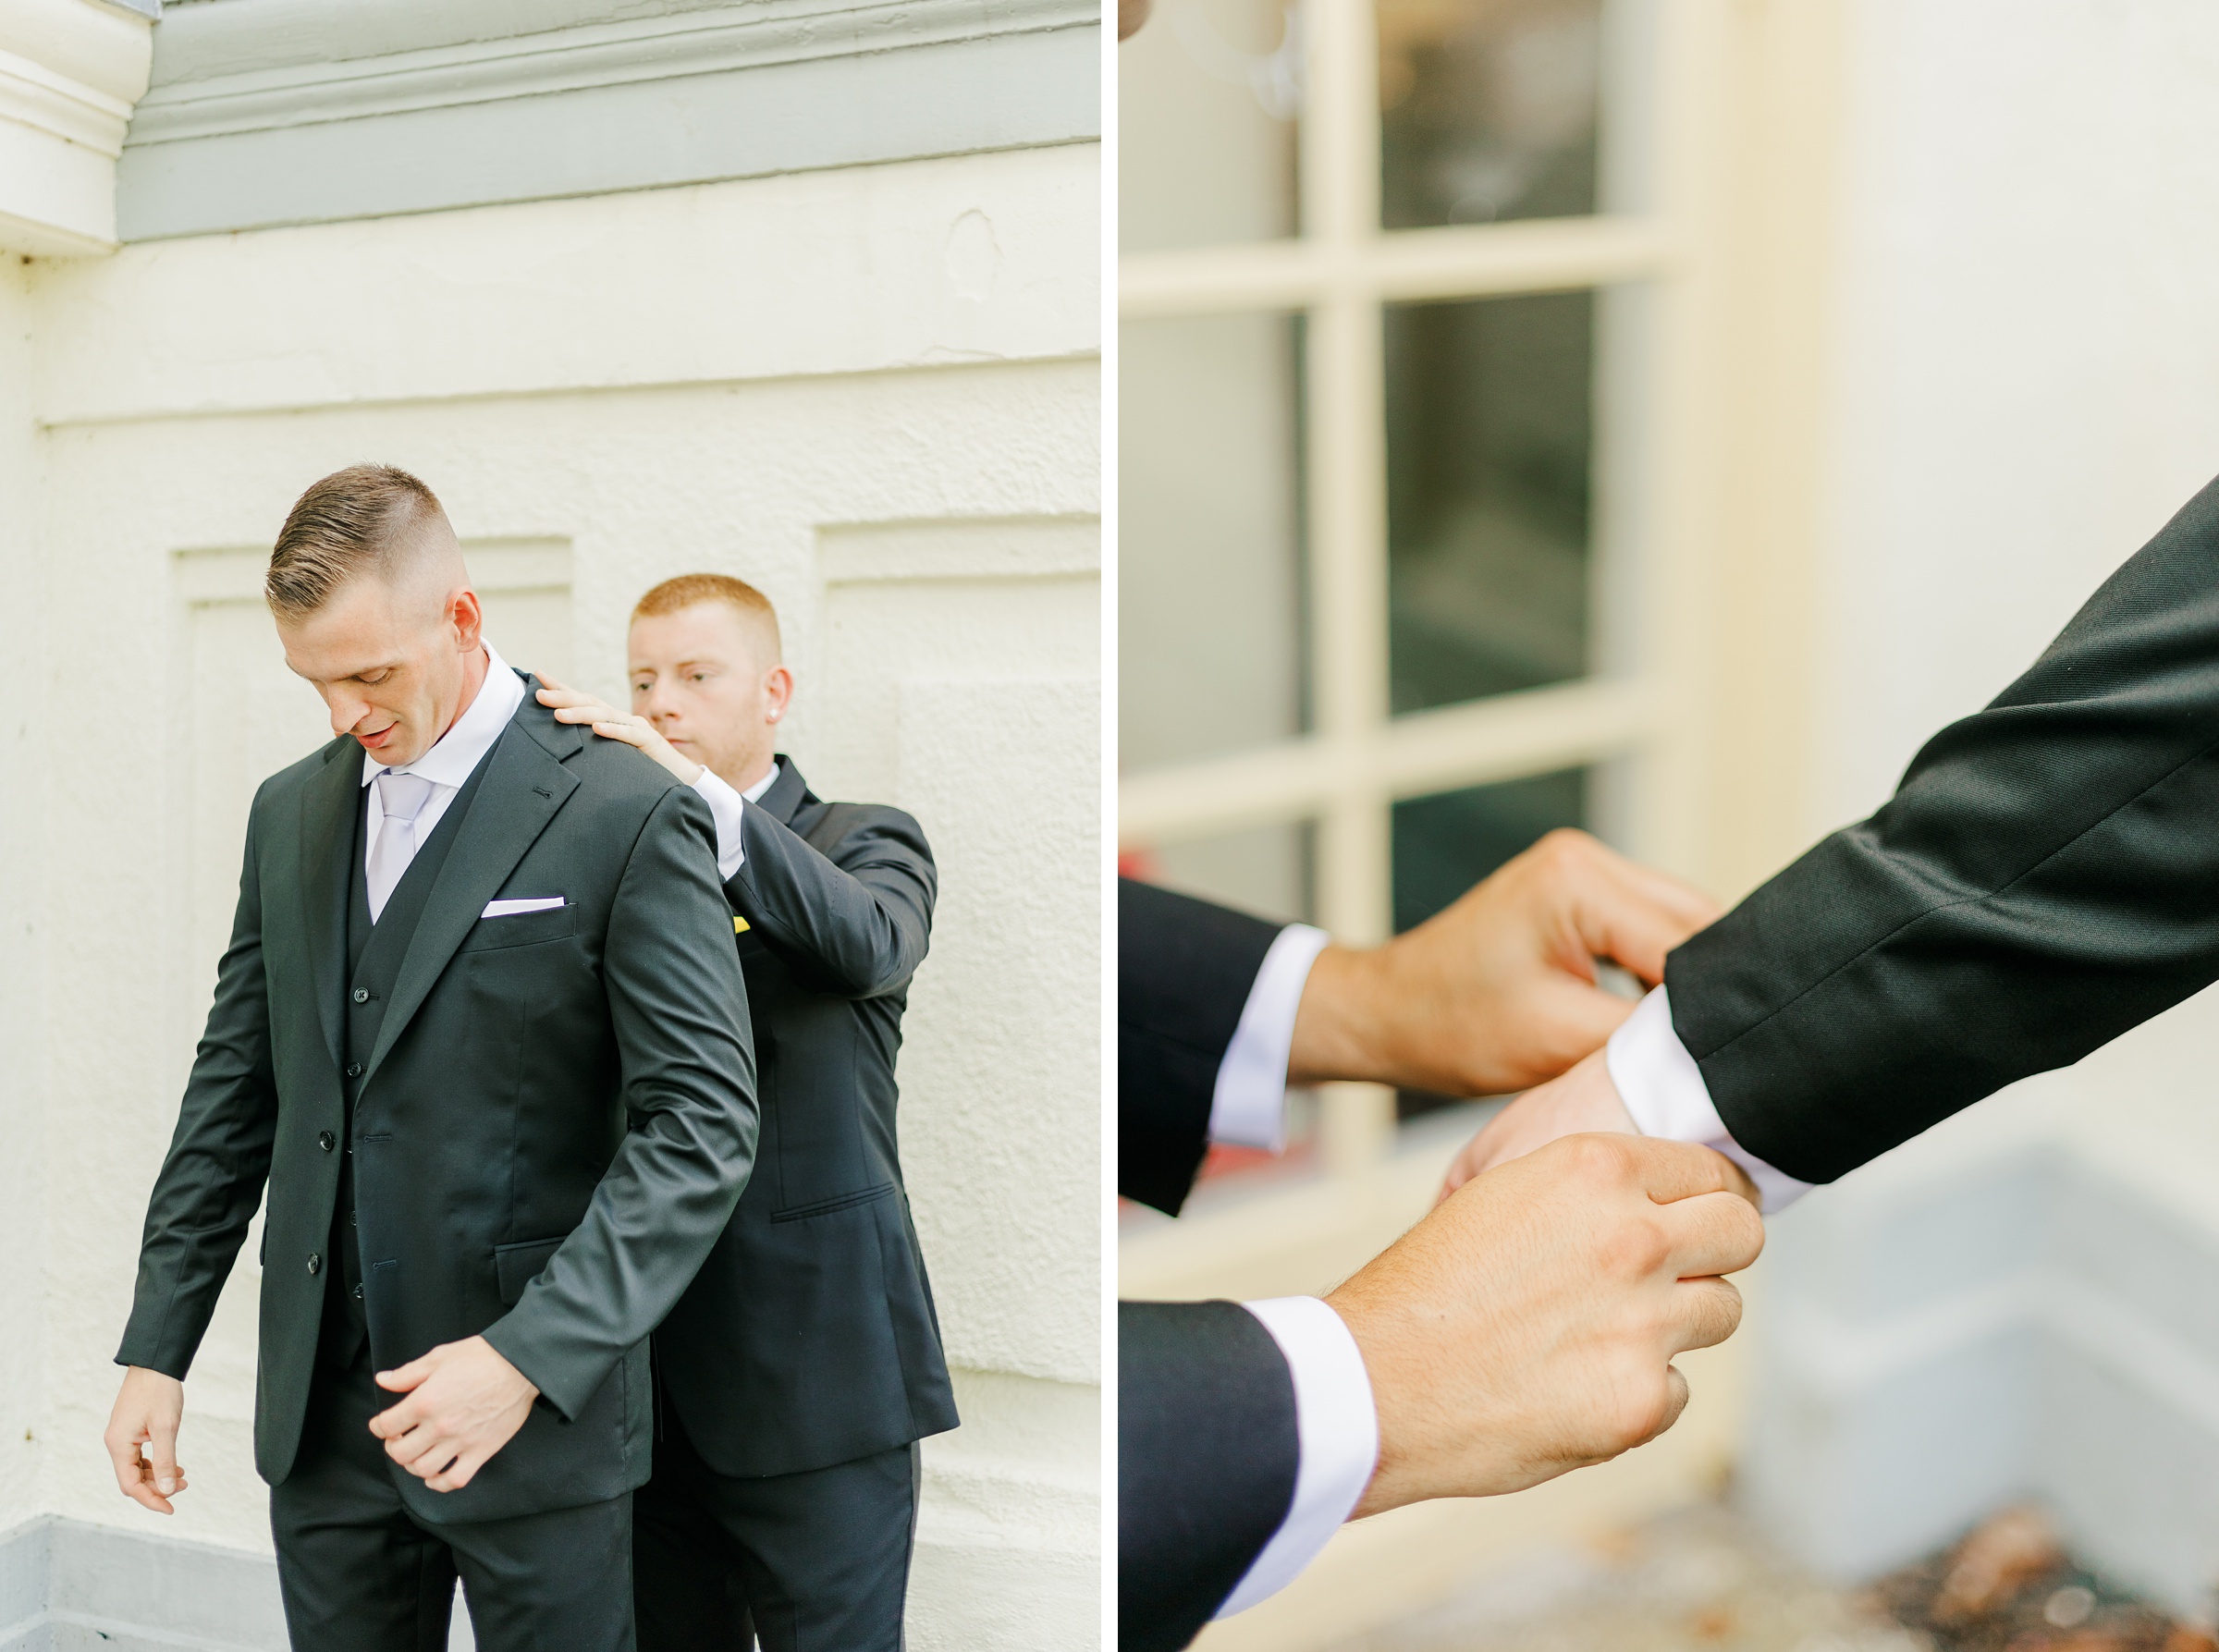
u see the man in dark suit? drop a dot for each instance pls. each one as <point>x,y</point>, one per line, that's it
<point>803,1365</point>
<point>2045,878</point>
<point>1503,1341</point>
<point>480,1030</point>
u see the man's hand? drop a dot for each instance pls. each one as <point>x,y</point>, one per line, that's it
<point>148,1409</point>
<point>464,1403</point>
<point>1584,1100</point>
<point>1527,1326</point>
<point>1499,991</point>
<point>575,705</point>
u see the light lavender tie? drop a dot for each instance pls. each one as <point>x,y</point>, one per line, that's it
<point>402,797</point>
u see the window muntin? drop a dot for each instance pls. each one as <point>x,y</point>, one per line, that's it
<point>1472,599</point>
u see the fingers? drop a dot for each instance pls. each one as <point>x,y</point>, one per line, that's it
<point>1669,1171</point>
<point>1675,1402</point>
<point>400,1380</point>
<point>549,679</point>
<point>1712,1233</point>
<point>459,1473</point>
<point>1704,1313</point>
<point>1630,913</point>
<point>134,1478</point>
<point>631,731</point>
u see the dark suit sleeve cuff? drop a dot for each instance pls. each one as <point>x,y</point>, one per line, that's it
<point>564,1384</point>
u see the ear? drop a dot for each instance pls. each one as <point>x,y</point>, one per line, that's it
<point>469,619</point>
<point>778,691</point>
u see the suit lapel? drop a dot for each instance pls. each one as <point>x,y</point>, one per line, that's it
<point>525,786</point>
<point>326,840</point>
<point>785,794</point>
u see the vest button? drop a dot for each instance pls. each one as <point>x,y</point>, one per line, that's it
<point>354,1069</point>
<point>315,1262</point>
<point>362,995</point>
<point>326,1140</point>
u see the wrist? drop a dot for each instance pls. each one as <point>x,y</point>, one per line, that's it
<point>1337,1022</point>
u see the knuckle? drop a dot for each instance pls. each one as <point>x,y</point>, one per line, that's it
<point>1598,1157</point>
<point>1634,1249</point>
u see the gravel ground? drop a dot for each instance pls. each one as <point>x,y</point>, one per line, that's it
<point>1702,1580</point>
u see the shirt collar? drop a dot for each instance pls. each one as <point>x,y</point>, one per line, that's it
<point>754,794</point>
<point>463,747</point>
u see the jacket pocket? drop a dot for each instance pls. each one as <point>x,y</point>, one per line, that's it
<point>516,1266</point>
<point>521,929</point>
<point>825,1207</point>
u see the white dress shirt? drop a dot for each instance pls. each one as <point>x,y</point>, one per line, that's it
<point>729,807</point>
<point>1338,1429</point>
<point>450,762</point>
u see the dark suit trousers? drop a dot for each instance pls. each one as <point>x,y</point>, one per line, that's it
<point>358,1575</point>
<point>816,1561</point>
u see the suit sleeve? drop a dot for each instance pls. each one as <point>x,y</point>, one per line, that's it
<point>679,1010</point>
<point>855,925</point>
<point>219,1156</point>
<point>1208,1454</point>
<point>1184,972</point>
<point>2045,878</point>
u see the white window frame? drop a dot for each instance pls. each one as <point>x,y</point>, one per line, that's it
<point>1358,760</point>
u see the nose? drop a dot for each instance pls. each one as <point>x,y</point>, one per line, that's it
<point>346,710</point>
<point>651,704</point>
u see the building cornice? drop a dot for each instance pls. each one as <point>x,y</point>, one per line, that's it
<point>71,71</point>
<point>577,59</point>
<point>382,122</point>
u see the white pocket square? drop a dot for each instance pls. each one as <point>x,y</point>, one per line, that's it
<point>509,909</point>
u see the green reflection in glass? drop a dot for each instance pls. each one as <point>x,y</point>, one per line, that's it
<point>1487,109</point>
<point>1489,422</point>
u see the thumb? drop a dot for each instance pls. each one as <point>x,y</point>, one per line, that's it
<point>401,1381</point>
<point>162,1452</point>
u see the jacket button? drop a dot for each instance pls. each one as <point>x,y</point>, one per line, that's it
<point>354,1069</point>
<point>362,995</point>
<point>358,1293</point>
<point>315,1262</point>
<point>326,1140</point>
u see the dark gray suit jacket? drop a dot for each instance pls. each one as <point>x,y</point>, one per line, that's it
<point>2045,878</point>
<point>499,1186</point>
<point>809,1338</point>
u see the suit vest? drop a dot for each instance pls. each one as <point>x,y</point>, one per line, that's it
<point>374,953</point>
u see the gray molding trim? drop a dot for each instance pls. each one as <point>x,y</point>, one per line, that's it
<point>538,65</point>
<point>138,8</point>
<point>67,1584</point>
<point>690,95</point>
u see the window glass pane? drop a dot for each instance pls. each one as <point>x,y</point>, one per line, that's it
<point>1206,125</point>
<point>1267,871</point>
<point>1487,109</point>
<point>1209,583</point>
<point>1445,843</point>
<point>1488,436</point>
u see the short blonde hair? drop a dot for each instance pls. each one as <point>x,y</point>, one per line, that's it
<point>366,518</point>
<point>690,589</point>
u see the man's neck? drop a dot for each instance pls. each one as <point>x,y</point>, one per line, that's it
<point>741,775</point>
<point>473,679</point>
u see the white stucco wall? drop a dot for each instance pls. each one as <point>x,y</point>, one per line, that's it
<point>873,392</point>
<point>2026,361</point>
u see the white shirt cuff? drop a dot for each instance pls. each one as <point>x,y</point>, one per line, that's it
<point>1338,1434</point>
<point>728,806</point>
<point>1663,1091</point>
<point>1248,1106</point>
